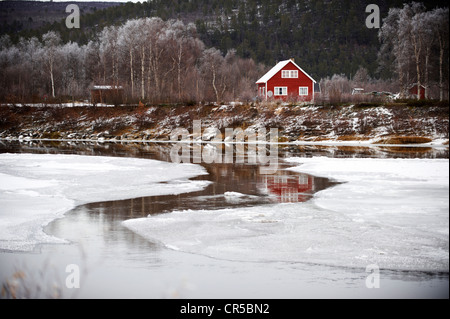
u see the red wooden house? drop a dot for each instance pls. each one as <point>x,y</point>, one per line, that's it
<point>286,80</point>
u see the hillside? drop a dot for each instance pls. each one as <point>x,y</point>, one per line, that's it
<point>16,16</point>
<point>328,36</point>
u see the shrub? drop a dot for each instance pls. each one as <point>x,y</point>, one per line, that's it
<point>8,119</point>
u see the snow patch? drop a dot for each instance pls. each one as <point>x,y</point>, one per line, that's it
<point>36,189</point>
<point>393,213</point>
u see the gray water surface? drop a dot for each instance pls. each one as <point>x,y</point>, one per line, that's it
<point>114,262</point>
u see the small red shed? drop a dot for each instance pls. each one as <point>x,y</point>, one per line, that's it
<point>107,94</point>
<point>286,80</point>
<point>413,91</point>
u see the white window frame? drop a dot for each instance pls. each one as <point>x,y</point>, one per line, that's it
<point>289,74</point>
<point>303,88</point>
<point>284,90</point>
<point>262,91</point>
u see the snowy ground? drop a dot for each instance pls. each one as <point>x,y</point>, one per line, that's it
<point>388,212</point>
<point>36,189</point>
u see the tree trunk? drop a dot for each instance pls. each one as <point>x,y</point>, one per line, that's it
<point>52,79</point>
<point>143,73</point>
<point>213,69</point>
<point>427,60</point>
<point>441,67</point>
<point>131,72</point>
<point>180,55</point>
<point>417,51</point>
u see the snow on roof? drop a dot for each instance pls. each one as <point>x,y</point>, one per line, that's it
<point>277,68</point>
<point>415,84</point>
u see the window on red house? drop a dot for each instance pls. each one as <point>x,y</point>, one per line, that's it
<point>281,90</point>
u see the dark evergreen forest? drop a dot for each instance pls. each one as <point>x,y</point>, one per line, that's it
<point>326,36</point>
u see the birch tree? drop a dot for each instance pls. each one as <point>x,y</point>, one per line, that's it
<point>441,29</point>
<point>51,41</point>
<point>185,49</point>
<point>109,54</point>
<point>155,51</point>
<point>410,39</point>
<point>413,30</point>
<point>212,61</point>
<point>30,49</point>
<point>423,26</point>
<point>127,37</point>
<point>72,74</point>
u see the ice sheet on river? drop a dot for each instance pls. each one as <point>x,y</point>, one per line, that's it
<point>389,212</point>
<point>35,189</point>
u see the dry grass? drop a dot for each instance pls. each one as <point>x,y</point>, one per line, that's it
<point>404,140</point>
<point>346,138</point>
<point>283,139</point>
<point>406,150</point>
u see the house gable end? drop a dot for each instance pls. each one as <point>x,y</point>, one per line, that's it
<point>278,68</point>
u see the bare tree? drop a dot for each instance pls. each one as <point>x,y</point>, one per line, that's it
<point>127,38</point>
<point>51,41</point>
<point>409,38</point>
<point>30,50</point>
<point>155,60</point>
<point>441,29</point>
<point>361,76</point>
<point>72,71</point>
<point>411,17</point>
<point>109,54</point>
<point>212,62</point>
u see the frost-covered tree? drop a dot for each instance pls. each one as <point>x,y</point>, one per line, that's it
<point>441,29</point>
<point>410,40</point>
<point>109,54</point>
<point>30,50</point>
<point>212,63</point>
<point>155,60</point>
<point>412,31</point>
<point>92,63</point>
<point>127,43</point>
<point>361,76</point>
<point>72,73</point>
<point>51,40</point>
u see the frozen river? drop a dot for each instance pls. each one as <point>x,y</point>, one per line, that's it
<point>224,230</point>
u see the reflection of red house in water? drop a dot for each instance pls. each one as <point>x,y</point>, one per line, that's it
<point>290,189</point>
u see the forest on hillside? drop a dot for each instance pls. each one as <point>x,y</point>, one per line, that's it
<point>197,50</point>
<point>328,36</point>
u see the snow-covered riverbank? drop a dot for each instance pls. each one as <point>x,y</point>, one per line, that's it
<point>36,189</point>
<point>390,212</point>
<point>296,124</point>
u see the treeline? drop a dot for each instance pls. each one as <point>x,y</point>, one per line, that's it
<point>154,61</point>
<point>327,36</point>
<point>163,60</point>
<point>415,45</point>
